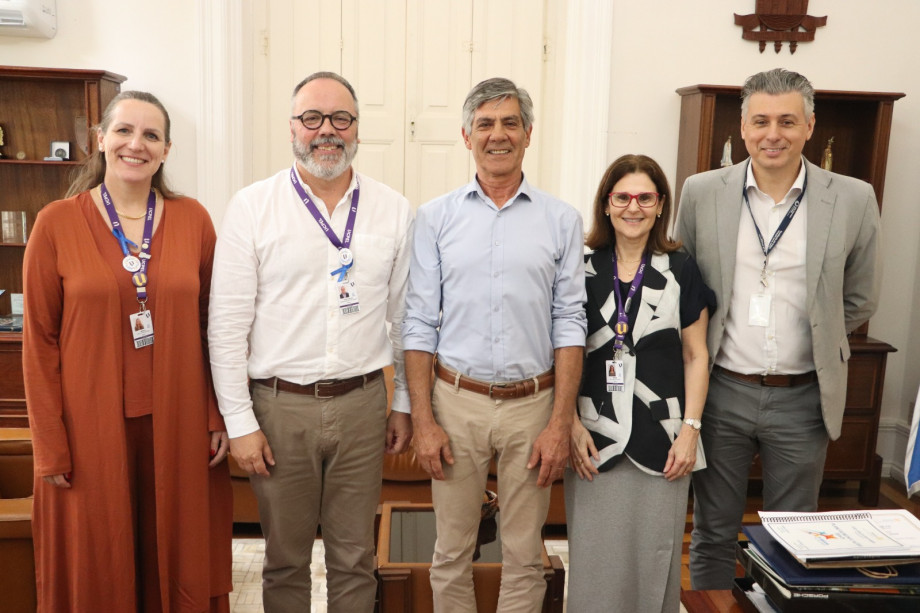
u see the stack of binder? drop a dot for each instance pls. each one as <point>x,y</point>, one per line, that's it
<point>777,580</point>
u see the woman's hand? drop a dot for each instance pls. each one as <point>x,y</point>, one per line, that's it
<point>62,480</point>
<point>220,445</point>
<point>582,450</point>
<point>682,455</point>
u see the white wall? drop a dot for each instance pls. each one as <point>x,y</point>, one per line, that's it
<point>152,43</point>
<point>657,46</point>
<point>660,45</point>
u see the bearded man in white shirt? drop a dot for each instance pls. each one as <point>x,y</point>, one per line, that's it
<point>310,267</point>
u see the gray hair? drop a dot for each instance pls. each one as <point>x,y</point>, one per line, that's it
<point>775,82</point>
<point>328,75</point>
<point>497,89</point>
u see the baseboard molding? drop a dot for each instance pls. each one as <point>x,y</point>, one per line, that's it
<point>892,446</point>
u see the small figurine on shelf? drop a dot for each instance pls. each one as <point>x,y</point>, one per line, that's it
<point>727,152</point>
<point>827,160</point>
<point>1,141</point>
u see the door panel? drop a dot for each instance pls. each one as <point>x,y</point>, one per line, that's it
<point>438,65</point>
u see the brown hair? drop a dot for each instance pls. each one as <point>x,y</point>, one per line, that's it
<point>91,172</point>
<point>602,234</point>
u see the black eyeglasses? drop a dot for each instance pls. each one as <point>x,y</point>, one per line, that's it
<point>646,200</point>
<point>312,120</point>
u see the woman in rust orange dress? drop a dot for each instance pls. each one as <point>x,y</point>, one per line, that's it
<point>133,506</point>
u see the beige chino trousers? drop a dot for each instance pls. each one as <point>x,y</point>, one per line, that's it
<point>480,427</point>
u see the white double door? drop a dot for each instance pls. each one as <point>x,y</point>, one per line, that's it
<point>411,62</point>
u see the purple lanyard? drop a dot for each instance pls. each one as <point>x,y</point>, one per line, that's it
<point>622,325</point>
<point>346,259</point>
<point>136,265</point>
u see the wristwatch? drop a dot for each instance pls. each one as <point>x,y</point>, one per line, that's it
<point>693,423</point>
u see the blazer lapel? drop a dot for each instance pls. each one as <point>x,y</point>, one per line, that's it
<point>821,202</point>
<point>729,205</point>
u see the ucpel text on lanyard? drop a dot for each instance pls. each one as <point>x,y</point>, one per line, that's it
<point>779,230</point>
<point>136,265</point>
<point>345,287</point>
<point>615,375</point>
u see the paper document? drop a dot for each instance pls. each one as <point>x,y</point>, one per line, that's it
<point>843,535</point>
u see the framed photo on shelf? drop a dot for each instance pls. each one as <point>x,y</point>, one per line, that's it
<point>60,150</point>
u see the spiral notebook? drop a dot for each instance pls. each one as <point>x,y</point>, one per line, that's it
<point>847,538</point>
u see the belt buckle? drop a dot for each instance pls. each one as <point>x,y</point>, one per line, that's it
<point>496,386</point>
<point>316,393</point>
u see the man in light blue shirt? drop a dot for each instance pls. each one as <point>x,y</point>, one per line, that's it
<point>496,291</point>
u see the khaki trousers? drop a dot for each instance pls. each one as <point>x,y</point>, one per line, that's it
<point>328,471</point>
<point>480,427</point>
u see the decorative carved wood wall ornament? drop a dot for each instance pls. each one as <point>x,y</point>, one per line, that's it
<point>778,21</point>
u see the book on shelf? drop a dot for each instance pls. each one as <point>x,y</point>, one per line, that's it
<point>841,539</point>
<point>13,228</point>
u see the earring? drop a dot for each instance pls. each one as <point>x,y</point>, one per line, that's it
<point>659,215</point>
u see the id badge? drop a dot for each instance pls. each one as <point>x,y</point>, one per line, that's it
<point>142,328</point>
<point>348,297</point>
<point>759,311</point>
<point>615,380</point>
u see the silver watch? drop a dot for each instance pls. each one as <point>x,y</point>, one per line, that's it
<point>693,423</point>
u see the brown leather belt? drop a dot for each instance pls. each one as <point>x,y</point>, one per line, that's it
<point>501,391</point>
<point>321,389</point>
<point>770,380</point>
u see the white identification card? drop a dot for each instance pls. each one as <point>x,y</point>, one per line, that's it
<point>348,297</point>
<point>759,311</point>
<point>142,329</point>
<point>615,378</point>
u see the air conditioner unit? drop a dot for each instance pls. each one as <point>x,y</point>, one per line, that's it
<point>32,18</point>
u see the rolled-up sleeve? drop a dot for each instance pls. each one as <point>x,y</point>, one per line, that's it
<point>423,299</point>
<point>569,296</point>
<point>396,314</point>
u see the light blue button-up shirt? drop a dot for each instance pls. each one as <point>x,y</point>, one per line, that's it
<point>494,291</point>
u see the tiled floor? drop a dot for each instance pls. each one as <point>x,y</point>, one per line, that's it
<point>248,554</point>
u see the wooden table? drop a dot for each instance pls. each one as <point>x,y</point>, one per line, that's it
<point>709,601</point>
<point>404,549</point>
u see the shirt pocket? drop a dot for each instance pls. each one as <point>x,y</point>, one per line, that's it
<point>373,259</point>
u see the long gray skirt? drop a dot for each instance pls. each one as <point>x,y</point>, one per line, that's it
<point>625,532</point>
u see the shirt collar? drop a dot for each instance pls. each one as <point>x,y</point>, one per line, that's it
<point>751,183</point>
<point>351,186</point>
<point>523,189</point>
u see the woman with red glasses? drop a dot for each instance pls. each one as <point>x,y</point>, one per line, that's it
<point>635,439</point>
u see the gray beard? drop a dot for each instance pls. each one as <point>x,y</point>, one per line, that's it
<point>304,154</point>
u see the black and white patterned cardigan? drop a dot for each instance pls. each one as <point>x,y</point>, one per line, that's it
<point>643,420</point>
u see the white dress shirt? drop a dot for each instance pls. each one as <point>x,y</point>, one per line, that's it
<point>783,346</point>
<point>275,307</point>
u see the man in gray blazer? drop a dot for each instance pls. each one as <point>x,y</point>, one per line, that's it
<point>791,252</point>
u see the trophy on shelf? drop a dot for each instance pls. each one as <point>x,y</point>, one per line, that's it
<point>827,160</point>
